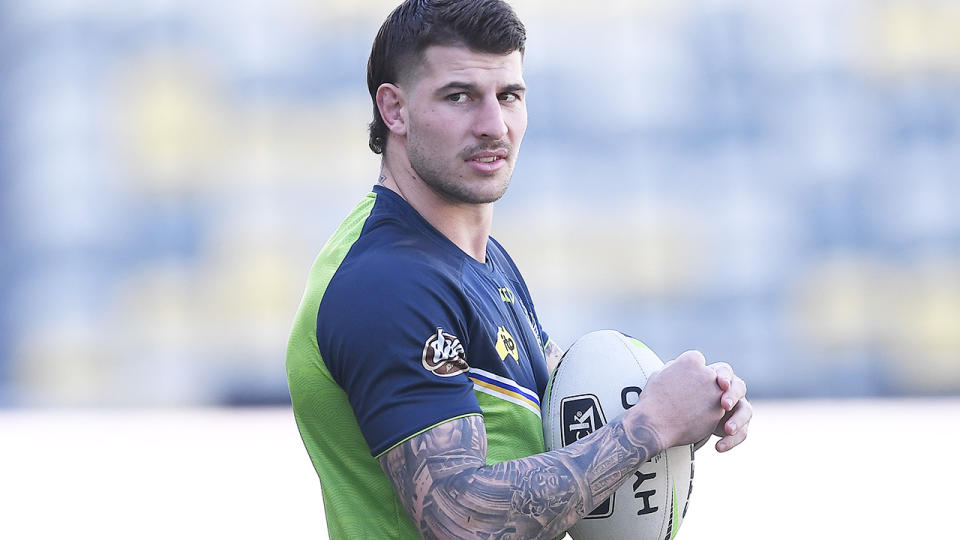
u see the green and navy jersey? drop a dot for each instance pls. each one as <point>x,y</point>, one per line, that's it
<point>398,331</point>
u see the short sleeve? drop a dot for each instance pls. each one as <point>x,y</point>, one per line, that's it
<point>392,334</point>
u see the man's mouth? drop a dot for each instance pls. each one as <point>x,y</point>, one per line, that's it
<point>488,155</point>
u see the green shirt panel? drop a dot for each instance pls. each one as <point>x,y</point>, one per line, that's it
<point>513,432</point>
<point>363,505</point>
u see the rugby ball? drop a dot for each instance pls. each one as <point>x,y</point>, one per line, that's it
<point>600,376</point>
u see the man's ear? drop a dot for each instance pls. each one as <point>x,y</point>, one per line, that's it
<point>393,108</point>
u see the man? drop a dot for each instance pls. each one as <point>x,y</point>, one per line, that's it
<point>417,361</point>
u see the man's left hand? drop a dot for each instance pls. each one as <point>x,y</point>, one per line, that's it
<point>733,427</point>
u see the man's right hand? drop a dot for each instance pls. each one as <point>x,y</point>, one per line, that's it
<point>442,478</point>
<point>682,401</point>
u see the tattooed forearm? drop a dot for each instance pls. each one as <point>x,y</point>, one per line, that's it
<point>443,481</point>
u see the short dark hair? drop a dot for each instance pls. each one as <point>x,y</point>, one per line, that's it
<point>489,26</point>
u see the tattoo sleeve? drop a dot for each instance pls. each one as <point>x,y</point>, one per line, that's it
<point>442,479</point>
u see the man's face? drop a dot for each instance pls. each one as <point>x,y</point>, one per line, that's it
<point>466,118</point>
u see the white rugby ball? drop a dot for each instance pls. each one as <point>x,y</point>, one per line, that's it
<point>600,376</point>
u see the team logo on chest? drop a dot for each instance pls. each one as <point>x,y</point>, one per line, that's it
<point>443,354</point>
<point>506,345</point>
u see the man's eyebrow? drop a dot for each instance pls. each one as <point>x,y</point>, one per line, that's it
<point>456,86</point>
<point>517,87</point>
<point>470,87</point>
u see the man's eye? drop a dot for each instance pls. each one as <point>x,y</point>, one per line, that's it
<point>509,97</point>
<point>459,97</point>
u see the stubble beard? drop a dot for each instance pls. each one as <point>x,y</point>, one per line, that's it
<point>449,185</point>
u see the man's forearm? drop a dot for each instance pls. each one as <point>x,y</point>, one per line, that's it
<point>451,493</point>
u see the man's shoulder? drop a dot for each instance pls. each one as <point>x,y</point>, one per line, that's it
<point>392,265</point>
<point>393,259</point>
<point>392,250</point>
<point>395,245</point>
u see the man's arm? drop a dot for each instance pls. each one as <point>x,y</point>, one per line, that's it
<point>442,478</point>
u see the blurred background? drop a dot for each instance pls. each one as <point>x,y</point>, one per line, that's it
<point>774,183</point>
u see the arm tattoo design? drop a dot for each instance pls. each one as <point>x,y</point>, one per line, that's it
<point>443,480</point>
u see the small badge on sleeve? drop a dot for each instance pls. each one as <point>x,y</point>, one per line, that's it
<point>443,354</point>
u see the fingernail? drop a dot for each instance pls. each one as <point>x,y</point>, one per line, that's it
<point>722,446</point>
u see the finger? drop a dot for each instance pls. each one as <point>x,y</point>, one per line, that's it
<point>730,441</point>
<point>736,391</point>
<point>723,369</point>
<point>724,374</point>
<point>733,420</point>
<point>738,418</point>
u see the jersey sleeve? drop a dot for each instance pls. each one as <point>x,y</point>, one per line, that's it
<point>392,335</point>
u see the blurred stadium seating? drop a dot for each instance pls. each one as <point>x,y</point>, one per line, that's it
<point>769,182</point>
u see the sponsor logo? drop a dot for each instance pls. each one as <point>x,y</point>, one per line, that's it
<point>629,396</point>
<point>581,416</point>
<point>506,345</point>
<point>443,354</point>
<point>506,295</point>
<point>644,494</point>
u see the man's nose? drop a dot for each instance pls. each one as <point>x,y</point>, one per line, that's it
<point>489,122</point>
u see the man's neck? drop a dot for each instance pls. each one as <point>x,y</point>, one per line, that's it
<point>466,225</point>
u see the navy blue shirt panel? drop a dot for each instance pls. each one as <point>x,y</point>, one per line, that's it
<point>400,284</point>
